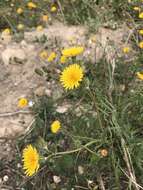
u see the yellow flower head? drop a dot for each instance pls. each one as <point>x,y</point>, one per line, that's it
<point>126,49</point>
<point>39,28</point>
<point>6,31</point>
<point>31,5</point>
<point>141,32</point>
<point>51,57</point>
<point>141,15</point>
<point>45,18</point>
<point>73,51</point>
<point>43,54</point>
<point>141,44</point>
<point>20,26</point>
<point>53,9</point>
<point>23,102</point>
<point>31,160</point>
<point>71,76</point>
<point>55,126</point>
<point>104,152</point>
<point>140,75</point>
<point>19,11</point>
<point>136,8</point>
<point>63,59</point>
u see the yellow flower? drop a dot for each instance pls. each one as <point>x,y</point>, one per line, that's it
<point>141,32</point>
<point>31,5</point>
<point>20,26</point>
<point>71,76</point>
<point>31,160</point>
<point>19,11</point>
<point>39,28</point>
<point>53,9</point>
<point>51,57</point>
<point>126,49</point>
<point>140,75</point>
<point>23,102</point>
<point>136,8</point>
<point>141,44</point>
<point>43,54</point>
<point>45,18</point>
<point>55,126</point>
<point>141,15</point>
<point>63,59</point>
<point>104,152</point>
<point>73,51</point>
<point>6,31</point>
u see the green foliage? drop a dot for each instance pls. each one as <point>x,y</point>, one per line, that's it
<point>105,112</point>
<point>92,13</point>
<point>106,119</point>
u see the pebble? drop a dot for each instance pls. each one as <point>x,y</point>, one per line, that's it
<point>56,179</point>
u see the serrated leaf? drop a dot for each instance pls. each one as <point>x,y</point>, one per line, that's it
<point>39,72</point>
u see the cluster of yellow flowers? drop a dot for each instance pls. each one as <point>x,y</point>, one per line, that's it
<point>127,49</point>
<point>31,6</point>
<point>140,74</point>
<point>72,75</point>
<point>141,30</point>
<point>47,57</point>
<point>31,157</point>
<point>70,78</point>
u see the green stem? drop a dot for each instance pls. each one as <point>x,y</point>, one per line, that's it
<point>71,151</point>
<point>96,107</point>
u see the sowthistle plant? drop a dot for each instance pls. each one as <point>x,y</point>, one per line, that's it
<point>100,132</point>
<point>97,142</point>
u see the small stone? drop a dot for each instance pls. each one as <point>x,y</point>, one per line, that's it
<point>13,53</point>
<point>5,178</point>
<point>31,103</point>
<point>48,92</point>
<point>57,93</point>
<point>40,91</point>
<point>23,43</point>
<point>56,179</point>
<point>18,165</point>
<point>6,38</point>
<point>28,48</point>
<point>62,109</point>
<point>90,182</point>
<point>122,87</point>
<point>80,170</point>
